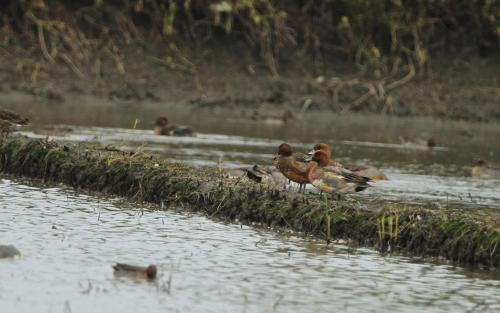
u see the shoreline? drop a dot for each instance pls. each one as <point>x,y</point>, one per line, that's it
<point>461,237</point>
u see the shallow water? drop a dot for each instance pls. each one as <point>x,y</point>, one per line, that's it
<point>415,176</point>
<point>69,241</point>
<point>230,138</point>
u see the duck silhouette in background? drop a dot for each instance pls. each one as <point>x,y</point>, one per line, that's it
<point>9,121</point>
<point>163,128</point>
<point>484,169</point>
<point>286,119</point>
<point>418,144</point>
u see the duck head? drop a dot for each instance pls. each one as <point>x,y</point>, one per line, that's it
<point>481,162</point>
<point>151,271</point>
<point>321,157</point>
<point>161,121</point>
<point>285,150</point>
<point>322,147</point>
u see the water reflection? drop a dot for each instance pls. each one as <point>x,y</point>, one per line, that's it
<point>68,242</point>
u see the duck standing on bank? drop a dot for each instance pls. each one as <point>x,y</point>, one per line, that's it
<point>333,179</point>
<point>362,170</point>
<point>163,128</point>
<point>9,120</point>
<point>292,165</point>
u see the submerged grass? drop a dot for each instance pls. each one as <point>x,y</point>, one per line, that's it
<point>466,239</point>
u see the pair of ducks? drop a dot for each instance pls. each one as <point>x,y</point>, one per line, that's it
<point>324,174</point>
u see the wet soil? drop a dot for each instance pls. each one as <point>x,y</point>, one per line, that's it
<point>231,77</point>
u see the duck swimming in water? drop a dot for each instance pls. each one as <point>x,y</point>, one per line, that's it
<point>484,169</point>
<point>362,170</point>
<point>137,271</point>
<point>418,144</point>
<point>286,119</point>
<point>163,128</point>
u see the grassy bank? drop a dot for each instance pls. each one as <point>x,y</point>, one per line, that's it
<point>467,239</point>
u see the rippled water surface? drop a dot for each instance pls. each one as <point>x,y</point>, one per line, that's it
<point>231,138</point>
<point>415,176</point>
<point>69,241</point>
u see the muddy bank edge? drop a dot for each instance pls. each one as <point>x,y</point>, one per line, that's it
<point>463,238</point>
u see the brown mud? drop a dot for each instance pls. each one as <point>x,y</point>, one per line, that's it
<point>230,77</point>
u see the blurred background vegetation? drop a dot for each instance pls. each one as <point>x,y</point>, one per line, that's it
<point>376,36</point>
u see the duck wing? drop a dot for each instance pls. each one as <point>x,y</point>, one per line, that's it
<point>301,157</point>
<point>122,267</point>
<point>347,175</point>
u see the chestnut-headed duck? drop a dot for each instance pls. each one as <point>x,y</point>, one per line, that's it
<point>418,144</point>
<point>285,119</point>
<point>333,179</point>
<point>324,147</point>
<point>8,122</point>
<point>362,170</point>
<point>266,175</point>
<point>162,128</point>
<point>484,169</point>
<point>292,165</point>
<point>148,272</point>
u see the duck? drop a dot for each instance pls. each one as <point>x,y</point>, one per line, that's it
<point>369,171</point>
<point>9,120</point>
<point>286,119</point>
<point>292,165</point>
<point>148,272</point>
<point>162,128</point>
<point>266,175</point>
<point>362,170</point>
<point>418,144</point>
<point>333,179</point>
<point>9,251</point>
<point>484,169</point>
